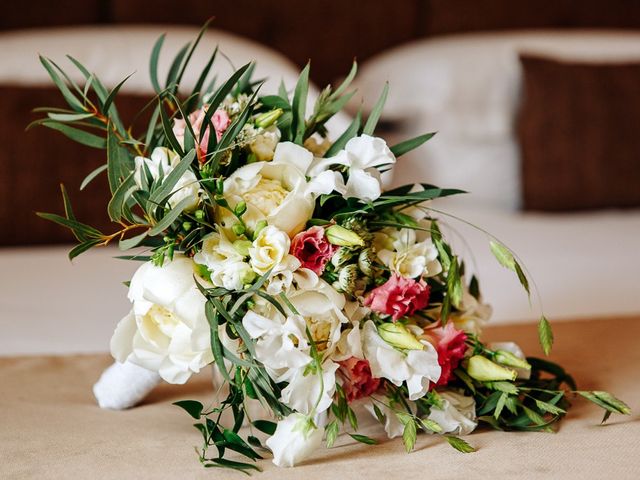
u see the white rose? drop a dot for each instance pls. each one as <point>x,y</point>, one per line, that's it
<point>458,413</point>
<point>363,156</point>
<point>269,249</point>
<point>274,191</point>
<point>167,330</point>
<point>295,439</point>
<point>417,367</point>
<point>161,163</point>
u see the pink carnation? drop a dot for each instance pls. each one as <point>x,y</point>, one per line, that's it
<point>313,249</point>
<point>358,381</point>
<point>450,345</point>
<point>399,297</point>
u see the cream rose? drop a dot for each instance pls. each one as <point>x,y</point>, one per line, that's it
<point>275,191</point>
<point>269,249</point>
<point>166,331</point>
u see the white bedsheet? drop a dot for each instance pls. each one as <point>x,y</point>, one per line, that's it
<point>584,264</point>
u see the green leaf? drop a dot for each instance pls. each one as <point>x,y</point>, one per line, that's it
<point>346,82</point>
<point>545,334</point>
<point>118,161</point>
<point>120,196</point>
<point>348,134</point>
<point>153,63</point>
<point>170,217</point>
<point>299,105</point>
<point>128,243</point>
<point>89,178</point>
<point>184,65</point>
<point>522,277</point>
<point>275,101</point>
<point>83,247</point>
<point>77,227</point>
<point>64,89</point>
<point>363,439</point>
<point>460,444</point>
<point>505,387</point>
<point>430,425</point>
<point>379,414</point>
<point>607,401</point>
<point>332,429</point>
<point>167,128</point>
<point>191,104</point>
<point>500,405</point>
<point>172,76</point>
<point>162,194</point>
<point>224,463</point>
<point>404,147</point>
<point>535,417</point>
<point>409,434</point>
<point>68,212</point>
<point>69,117</point>
<point>374,116</point>
<point>192,407</point>
<point>75,134</point>
<point>112,95</point>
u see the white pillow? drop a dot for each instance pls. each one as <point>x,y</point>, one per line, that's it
<point>114,52</point>
<point>467,87</point>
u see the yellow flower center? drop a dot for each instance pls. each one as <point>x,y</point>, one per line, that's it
<point>266,196</point>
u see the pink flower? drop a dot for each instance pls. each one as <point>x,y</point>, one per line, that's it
<point>220,121</point>
<point>358,381</point>
<point>399,297</point>
<point>313,249</point>
<point>450,345</point>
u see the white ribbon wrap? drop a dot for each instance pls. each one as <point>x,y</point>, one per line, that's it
<point>124,385</point>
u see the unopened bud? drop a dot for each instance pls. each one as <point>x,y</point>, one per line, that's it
<point>242,247</point>
<point>396,334</point>
<point>504,357</point>
<point>240,208</point>
<point>484,370</point>
<point>238,229</point>
<point>199,214</point>
<point>268,118</point>
<point>338,235</point>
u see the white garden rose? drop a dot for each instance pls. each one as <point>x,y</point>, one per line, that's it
<point>457,415</point>
<point>161,163</point>
<point>274,191</point>
<point>166,331</point>
<point>295,439</point>
<point>403,254</point>
<point>418,368</point>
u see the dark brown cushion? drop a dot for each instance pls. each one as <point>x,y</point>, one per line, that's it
<point>579,131</point>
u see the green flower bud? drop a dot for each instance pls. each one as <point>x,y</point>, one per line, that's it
<point>510,360</point>
<point>199,214</point>
<point>484,370</point>
<point>242,247</point>
<point>399,336</point>
<point>259,226</point>
<point>219,188</point>
<point>238,229</point>
<point>343,237</point>
<point>186,226</point>
<point>240,208</point>
<point>268,118</point>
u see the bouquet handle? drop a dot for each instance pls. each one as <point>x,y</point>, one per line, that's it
<point>124,385</point>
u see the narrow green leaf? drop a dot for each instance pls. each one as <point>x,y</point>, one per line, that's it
<point>374,116</point>
<point>184,65</point>
<point>500,405</point>
<point>74,225</point>
<point>265,426</point>
<point>409,434</point>
<point>405,147</point>
<point>430,425</point>
<point>545,334</point>
<point>165,190</point>
<point>299,105</point>
<point>112,95</point>
<point>153,63</point>
<point>348,134</point>
<point>174,68</point>
<point>129,243</point>
<point>460,444</point>
<point>69,117</point>
<point>363,439</point>
<point>89,178</point>
<point>192,407</point>
<point>169,217</point>
<point>120,196</point>
<point>549,408</point>
<point>168,131</point>
<point>346,82</point>
<point>75,134</point>
<point>83,247</point>
<point>71,99</point>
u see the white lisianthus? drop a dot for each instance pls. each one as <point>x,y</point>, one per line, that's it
<point>307,392</point>
<point>161,163</point>
<point>269,249</point>
<point>415,367</point>
<point>458,413</point>
<point>281,343</point>
<point>167,330</point>
<point>276,192</point>
<point>363,156</point>
<point>295,439</point>
<point>282,275</point>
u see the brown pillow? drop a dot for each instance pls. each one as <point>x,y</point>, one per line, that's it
<point>579,132</point>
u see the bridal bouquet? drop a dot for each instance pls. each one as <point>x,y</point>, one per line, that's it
<point>271,251</point>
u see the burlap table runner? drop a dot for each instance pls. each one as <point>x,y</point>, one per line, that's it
<point>50,426</point>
